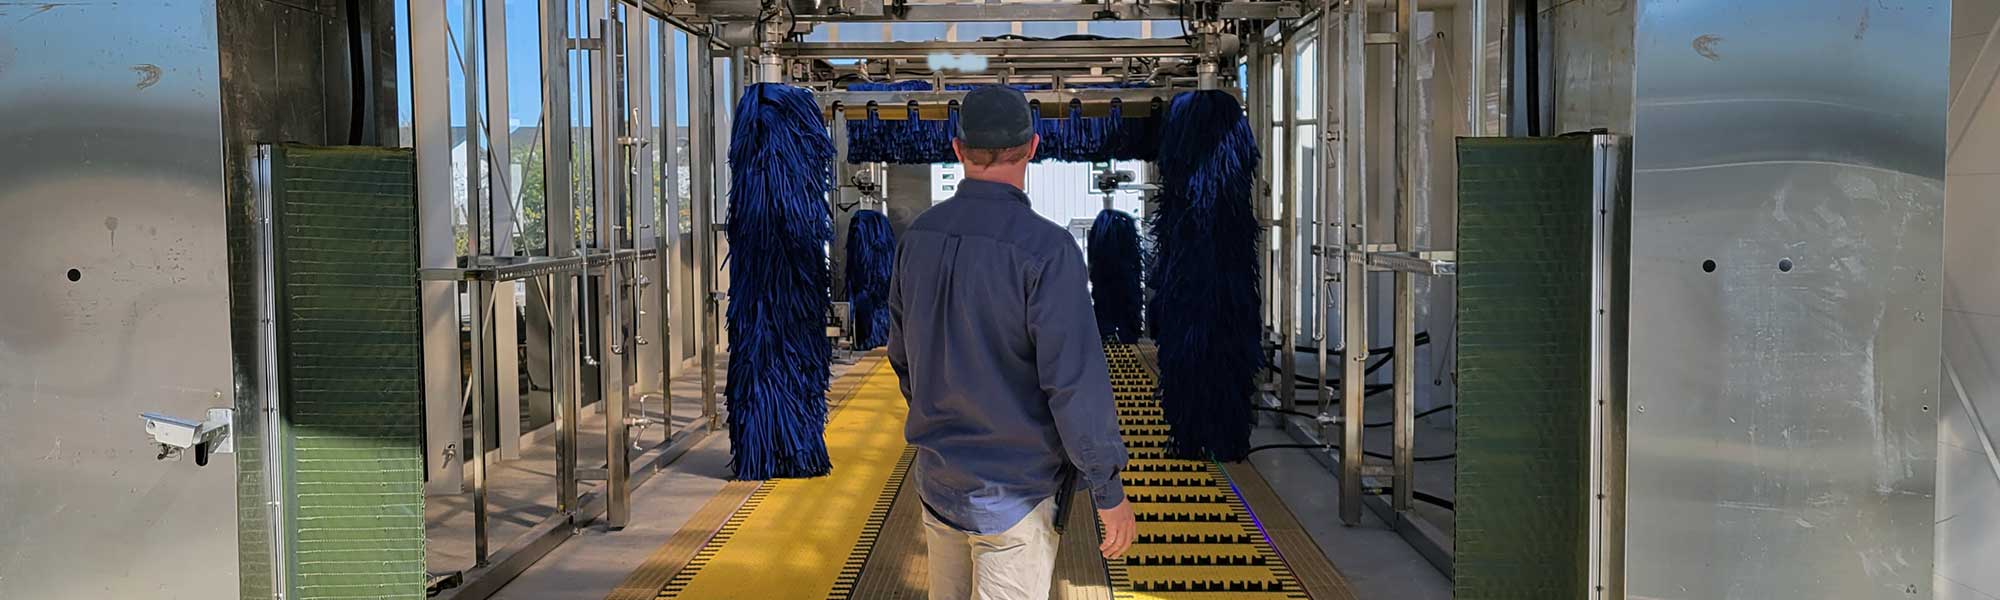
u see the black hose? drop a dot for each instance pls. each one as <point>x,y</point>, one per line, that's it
<point>1416,416</point>
<point>1386,352</point>
<point>1289,412</point>
<point>1417,495</point>
<point>1371,454</point>
<point>1422,338</point>
<point>1370,425</point>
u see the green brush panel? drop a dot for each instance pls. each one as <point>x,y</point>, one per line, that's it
<point>346,227</point>
<point>1524,247</point>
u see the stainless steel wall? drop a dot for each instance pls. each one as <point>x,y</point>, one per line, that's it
<point>1787,203</point>
<point>1968,472</point>
<point>116,301</point>
<point>1590,63</point>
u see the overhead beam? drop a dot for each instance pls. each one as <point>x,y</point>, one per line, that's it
<point>971,12</point>
<point>1000,49</point>
<point>1055,103</point>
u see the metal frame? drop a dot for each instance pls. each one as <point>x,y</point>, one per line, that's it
<point>270,393</point>
<point>617,265</point>
<point>608,264</point>
<point>1607,369</point>
<point>1347,257</point>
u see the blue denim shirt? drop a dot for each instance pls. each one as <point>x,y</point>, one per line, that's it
<point>994,340</point>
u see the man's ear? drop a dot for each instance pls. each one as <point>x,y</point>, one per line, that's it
<point>1034,144</point>
<point>958,150</point>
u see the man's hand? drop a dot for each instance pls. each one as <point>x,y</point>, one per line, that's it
<point>1119,529</point>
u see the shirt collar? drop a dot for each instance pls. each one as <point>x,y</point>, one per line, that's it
<point>981,188</point>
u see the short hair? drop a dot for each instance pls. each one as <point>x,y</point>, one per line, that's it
<point>987,157</point>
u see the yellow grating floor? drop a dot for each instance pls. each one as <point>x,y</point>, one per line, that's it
<point>812,538</point>
<point>800,538</point>
<point>1197,540</point>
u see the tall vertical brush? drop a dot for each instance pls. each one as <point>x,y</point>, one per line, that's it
<point>1205,301</point>
<point>871,256</point>
<point>779,226</point>
<point>1115,271</point>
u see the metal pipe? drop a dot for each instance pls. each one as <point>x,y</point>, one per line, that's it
<point>701,150</point>
<point>1405,329</point>
<point>1259,102</point>
<point>1475,116</point>
<point>480,294</point>
<point>477,205</point>
<point>1287,230</point>
<point>1354,269</point>
<point>1330,188</point>
<point>586,113</point>
<point>612,201</point>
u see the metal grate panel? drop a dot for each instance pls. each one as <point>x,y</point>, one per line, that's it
<point>1524,249</point>
<point>346,255</point>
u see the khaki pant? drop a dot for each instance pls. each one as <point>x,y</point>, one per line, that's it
<point>1016,564</point>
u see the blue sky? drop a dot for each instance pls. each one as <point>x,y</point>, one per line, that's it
<point>523,63</point>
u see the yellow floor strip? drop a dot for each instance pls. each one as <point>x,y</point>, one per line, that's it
<point>794,538</point>
<point>1197,540</point>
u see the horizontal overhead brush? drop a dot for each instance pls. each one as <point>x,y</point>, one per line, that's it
<point>1072,137</point>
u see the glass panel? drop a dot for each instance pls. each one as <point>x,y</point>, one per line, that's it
<point>970,32</point>
<point>1278,98</point>
<point>857,32</point>
<point>459,47</point>
<point>822,32</point>
<point>1117,29</point>
<point>680,141</point>
<point>1308,79</point>
<point>655,29</point>
<point>918,32</point>
<point>524,118</point>
<point>1048,29</point>
<point>1306,211</point>
<point>404,109</point>
<point>581,97</point>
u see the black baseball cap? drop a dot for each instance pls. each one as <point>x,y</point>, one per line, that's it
<point>994,117</point>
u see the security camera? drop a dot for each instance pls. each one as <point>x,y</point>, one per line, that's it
<point>174,435</point>
<point>171,432</point>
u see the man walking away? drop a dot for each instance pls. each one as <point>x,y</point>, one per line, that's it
<point>992,334</point>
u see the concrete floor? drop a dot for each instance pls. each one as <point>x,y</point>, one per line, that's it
<point>521,493</point>
<point>1373,557</point>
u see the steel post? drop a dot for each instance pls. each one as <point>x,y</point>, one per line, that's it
<point>1354,242</point>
